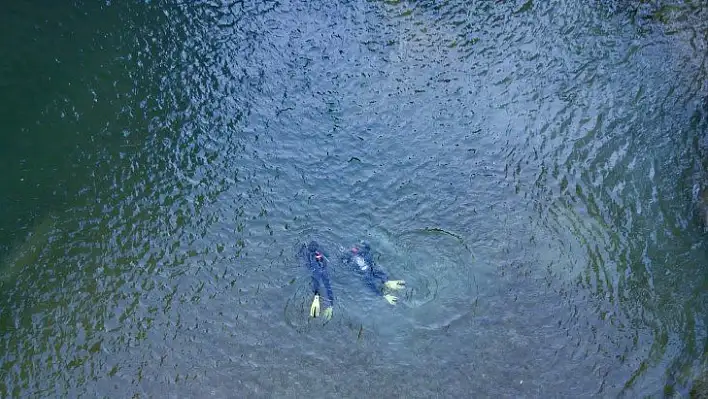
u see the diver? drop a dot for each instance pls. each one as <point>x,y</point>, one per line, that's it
<point>312,256</point>
<point>361,258</point>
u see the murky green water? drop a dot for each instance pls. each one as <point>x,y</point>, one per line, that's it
<point>531,169</point>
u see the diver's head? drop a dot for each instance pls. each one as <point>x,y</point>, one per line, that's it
<point>312,246</point>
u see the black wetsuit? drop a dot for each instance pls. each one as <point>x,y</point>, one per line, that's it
<point>361,259</point>
<point>311,255</point>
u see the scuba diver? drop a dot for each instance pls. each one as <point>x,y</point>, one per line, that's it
<point>361,258</point>
<point>311,255</point>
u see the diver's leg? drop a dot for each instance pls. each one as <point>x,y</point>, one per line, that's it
<point>306,259</point>
<point>377,272</point>
<point>380,286</point>
<point>375,284</point>
<point>329,300</point>
<point>379,279</point>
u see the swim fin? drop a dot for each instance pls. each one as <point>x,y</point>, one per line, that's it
<point>315,307</point>
<point>395,284</point>
<point>392,299</point>
<point>327,314</point>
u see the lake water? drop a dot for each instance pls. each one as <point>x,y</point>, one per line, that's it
<point>533,170</point>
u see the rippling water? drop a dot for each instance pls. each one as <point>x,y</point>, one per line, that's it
<point>533,170</point>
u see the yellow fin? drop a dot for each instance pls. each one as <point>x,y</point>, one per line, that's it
<point>315,307</point>
<point>392,299</point>
<point>395,284</point>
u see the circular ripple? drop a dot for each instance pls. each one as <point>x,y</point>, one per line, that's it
<point>439,272</point>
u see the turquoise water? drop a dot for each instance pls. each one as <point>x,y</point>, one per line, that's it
<point>532,170</point>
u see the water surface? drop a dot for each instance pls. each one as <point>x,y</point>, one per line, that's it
<point>532,169</point>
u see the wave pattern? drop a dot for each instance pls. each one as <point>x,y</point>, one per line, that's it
<point>531,169</point>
